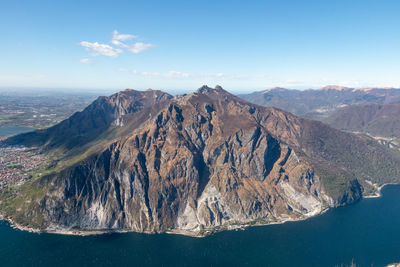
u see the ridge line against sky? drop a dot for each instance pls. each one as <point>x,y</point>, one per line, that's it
<point>177,45</point>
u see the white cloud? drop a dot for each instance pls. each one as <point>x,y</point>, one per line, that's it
<point>86,61</point>
<point>139,47</point>
<point>101,49</point>
<point>135,48</point>
<point>118,43</point>
<point>122,37</point>
<point>118,40</point>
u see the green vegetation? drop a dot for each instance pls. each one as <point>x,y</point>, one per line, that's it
<point>341,157</point>
<point>21,203</point>
<point>335,182</point>
<point>15,166</point>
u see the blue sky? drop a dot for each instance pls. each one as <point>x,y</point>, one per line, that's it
<point>181,45</point>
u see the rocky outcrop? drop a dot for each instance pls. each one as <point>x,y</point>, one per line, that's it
<point>203,161</point>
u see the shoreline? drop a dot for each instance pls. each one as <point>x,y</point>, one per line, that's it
<point>208,232</point>
<point>378,189</point>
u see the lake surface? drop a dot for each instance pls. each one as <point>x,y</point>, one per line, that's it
<point>9,130</point>
<point>368,232</point>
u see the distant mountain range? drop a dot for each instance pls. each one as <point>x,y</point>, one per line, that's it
<point>146,161</point>
<point>372,111</point>
<point>318,104</point>
<point>379,121</point>
<point>376,119</point>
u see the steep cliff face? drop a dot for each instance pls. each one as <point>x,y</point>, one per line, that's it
<point>205,160</point>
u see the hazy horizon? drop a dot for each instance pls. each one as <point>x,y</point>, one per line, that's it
<point>174,91</point>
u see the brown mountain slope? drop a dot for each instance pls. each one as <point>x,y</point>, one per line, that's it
<point>377,120</point>
<point>205,160</point>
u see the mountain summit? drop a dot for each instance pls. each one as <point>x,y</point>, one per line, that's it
<point>150,162</point>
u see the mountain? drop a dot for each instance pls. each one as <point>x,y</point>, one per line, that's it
<point>192,164</point>
<point>104,115</point>
<point>318,104</point>
<point>380,121</point>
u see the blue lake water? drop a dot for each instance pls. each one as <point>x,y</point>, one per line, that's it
<point>9,130</point>
<point>367,232</point>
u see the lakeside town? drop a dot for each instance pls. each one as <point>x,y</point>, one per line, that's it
<point>16,162</point>
<point>27,110</point>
